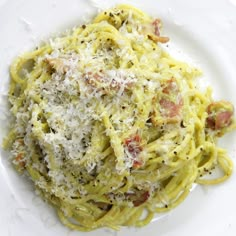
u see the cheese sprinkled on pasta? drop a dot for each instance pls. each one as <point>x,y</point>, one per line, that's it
<point>109,126</point>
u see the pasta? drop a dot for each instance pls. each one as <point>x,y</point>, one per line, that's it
<point>110,128</point>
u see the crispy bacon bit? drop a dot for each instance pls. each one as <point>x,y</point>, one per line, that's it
<point>137,164</point>
<point>170,90</point>
<point>19,160</point>
<point>142,198</point>
<point>171,87</point>
<point>138,198</point>
<point>223,119</point>
<point>160,39</point>
<point>133,145</point>
<point>170,108</point>
<point>219,115</point>
<point>93,78</point>
<point>103,82</point>
<point>210,123</point>
<point>153,31</point>
<point>167,106</point>
<point>157,25</point>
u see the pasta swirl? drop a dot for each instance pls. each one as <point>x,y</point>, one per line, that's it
<point>108,125</point>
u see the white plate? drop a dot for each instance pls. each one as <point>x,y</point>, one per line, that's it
<point>204,30</point>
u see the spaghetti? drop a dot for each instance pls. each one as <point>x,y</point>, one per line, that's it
<point>109,126</point>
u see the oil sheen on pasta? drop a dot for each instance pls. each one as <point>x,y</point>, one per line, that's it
<point>109,126</point>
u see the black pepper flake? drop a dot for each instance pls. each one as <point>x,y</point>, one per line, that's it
<point>53,131</point>
<point>111,15</point>
<point>175,152</point>
<point>105,13</point>
<point>83,26</point>
<point>82,41</point>
<point>163,161</point>
<point>210,172</point>
<point>73,197</point>
<point>182,124</point>
<point>166,206</point>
